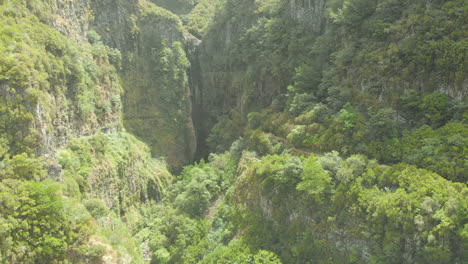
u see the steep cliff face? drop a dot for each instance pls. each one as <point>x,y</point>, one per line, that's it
<point>144,47</point>
<point>297,218</point>
<point>134,75</point>
<point>327,51</point>
<point>147,49</point>
<point>85,79</point>
<point>61,118</point>
<point>61,80</point>
<point>156,105</point>
<point>244,61</point>
<point>59,88</point>
<point>336,219</point>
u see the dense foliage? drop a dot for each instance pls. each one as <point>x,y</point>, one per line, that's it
<point>38,223</point>
<point>53,88</point>
<point>337,97</point>
<point>341,132</point>
<point>42,74</point>
<point>368,83</point>
<point>325,209</point>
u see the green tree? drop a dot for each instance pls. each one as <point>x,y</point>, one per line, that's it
<point>34,226</point>
<point>22,167</point>
<point>435,108</point>
<point>315,180</point>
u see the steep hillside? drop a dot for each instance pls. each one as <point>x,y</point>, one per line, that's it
<point>317,96</point>
<point>52,88</point>
<point>342,48</point>
<point>380,68</point>
<point>61,119</point>
<point>319,131</point>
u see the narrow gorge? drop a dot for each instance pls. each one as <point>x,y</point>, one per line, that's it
<point>233,131</point>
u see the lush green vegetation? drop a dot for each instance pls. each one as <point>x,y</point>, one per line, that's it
<point>337,97</point>
<point>240,207</point>
<point>42,73</point>
<point>201,17</point>
<point>38,223</point>
<point>53,88</point>
<point>382,83</point>
<point>341,133</point>
<point>115,168</point>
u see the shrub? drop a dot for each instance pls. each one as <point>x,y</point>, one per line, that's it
<point>96,207</point>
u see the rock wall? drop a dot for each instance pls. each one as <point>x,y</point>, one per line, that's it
<point>144,44</point>
<point>156,106</point>
<point>95,66</point>
<point>55,84</point>
<point>253,49</point>
<point>226,77</point>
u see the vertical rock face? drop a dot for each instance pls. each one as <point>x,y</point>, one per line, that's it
<point>220,79</point>
<point>156,99</point>
<point>228,73</point>
<point>72,18</point>
<point>74,84</point>
<point>65,95</point>
<point>309,10</point>
<point>251,53</point>
<point>84,86</point>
